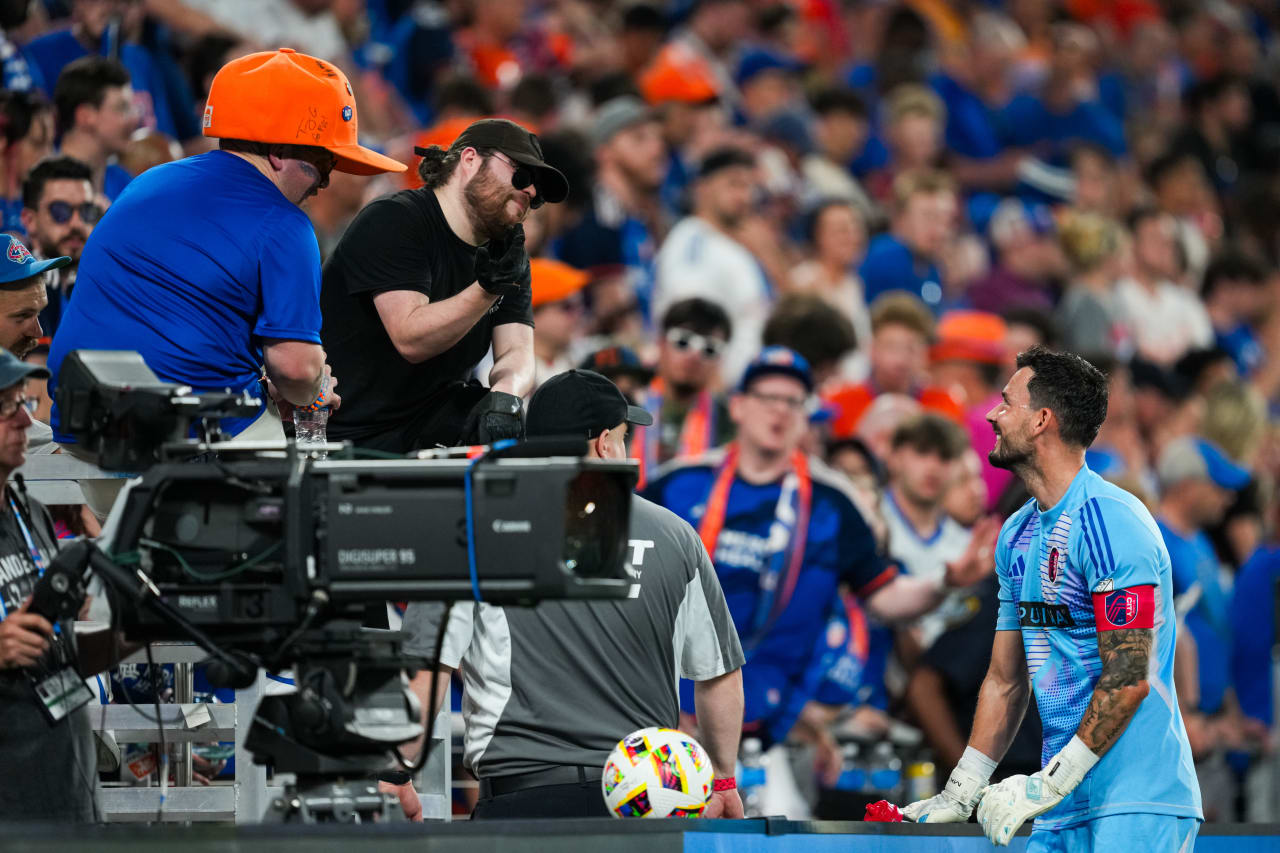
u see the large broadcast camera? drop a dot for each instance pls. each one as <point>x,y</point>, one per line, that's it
<point>268,557</point>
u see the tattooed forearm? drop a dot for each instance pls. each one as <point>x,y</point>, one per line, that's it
<point>1120,689</point>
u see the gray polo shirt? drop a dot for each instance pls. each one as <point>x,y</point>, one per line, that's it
<point>561,683</point>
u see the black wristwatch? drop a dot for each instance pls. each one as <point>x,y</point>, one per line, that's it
<point>395,777</point>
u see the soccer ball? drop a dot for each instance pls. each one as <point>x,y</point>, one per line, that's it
<point>657,773</point>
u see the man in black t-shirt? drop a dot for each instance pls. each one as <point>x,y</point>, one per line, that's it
<point>424,281</point>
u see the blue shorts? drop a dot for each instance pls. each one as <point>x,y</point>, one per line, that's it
<point>1156,833</point>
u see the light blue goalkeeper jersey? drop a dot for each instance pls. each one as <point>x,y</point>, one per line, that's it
<point>1098,538</point>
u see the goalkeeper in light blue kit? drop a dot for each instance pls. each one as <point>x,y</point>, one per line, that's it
<point>1086,622</point>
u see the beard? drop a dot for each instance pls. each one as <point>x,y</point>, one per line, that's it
<point>1005,455</point>
<point>487,199</point>
<point>24,345</point>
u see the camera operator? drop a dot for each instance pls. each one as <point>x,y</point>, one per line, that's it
<point>551,689</point>
<point>424,281</point>
<point>49,757</point>
<point>207,266</point>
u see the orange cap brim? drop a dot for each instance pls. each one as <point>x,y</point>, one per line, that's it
<point>358,160</point>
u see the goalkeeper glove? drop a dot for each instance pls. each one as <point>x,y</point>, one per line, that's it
<point>959,796</point>
<point>1011,803</point>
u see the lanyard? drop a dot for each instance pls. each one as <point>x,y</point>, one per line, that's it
<point>36,558</point>
<point>778,580</point>
<point>697,433</point>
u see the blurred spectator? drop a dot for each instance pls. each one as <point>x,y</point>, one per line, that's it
<point>1066,108</point>
<point>915,118</point>
<point>640,36</point>
<point>1089,315</point>
<point>1237,299</point>
<point>557,316</point>
<point>109,29</point>
<point>60,210</point>
<point>16,74</point>
<point>806,324</point>
<point>768,82</point>
<point>973,87</point>
<point>839,132</point>
<point>714,31</point>
<point>1219,109</point>
<point>906,258</point>
<point>969,359</point>
<point>1181,188</point>
<point>623,222</point>
<point>922,537</point>
<point>689,417</point>
<point>1028,259</point>
<point>621,366</point>
<point>837,235</point>
<point>26,137</point>
<point>901,328</point>
<point>1094,175</point>
<point>701,256</point>
<point>307,25</point>
<point>147,149</point>
<point>1166,320</point>
<point>966,497</point>
<point>96,118</point>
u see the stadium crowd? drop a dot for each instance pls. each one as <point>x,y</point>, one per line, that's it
<point>825,227</point>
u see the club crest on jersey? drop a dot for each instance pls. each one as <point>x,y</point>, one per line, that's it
<point>18,253</point>
<point>1054,559</point>
<point>1121,608</point>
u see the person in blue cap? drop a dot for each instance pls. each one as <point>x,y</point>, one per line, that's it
<point>22,295</point>
<point>1198,484</point>
<point>51,740</point>
<point>784,533</point>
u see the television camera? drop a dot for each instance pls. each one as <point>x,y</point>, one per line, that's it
<point>269,558</point>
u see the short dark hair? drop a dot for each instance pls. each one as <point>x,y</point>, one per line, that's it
<point>1036,318</point>
<point>85,81</point>
<point>464,93</point>
<point>930,432</point>
<point>17,112</point>
<point>1231,264</point>
<point>813,217</point>
<point>535,95</point>
<point>1070,387</point>
<point>60,168</point>
<point>810,326</point>
<point>839,99</point>
<point>725,158</point>
<point>701,316</point>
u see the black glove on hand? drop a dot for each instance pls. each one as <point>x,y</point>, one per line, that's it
<point>498,415</point>
<point>502,267</point>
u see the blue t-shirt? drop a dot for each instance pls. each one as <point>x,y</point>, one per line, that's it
<point>1195,562</point>
<point>1253,615</point>
<point>839,546</point>
<point>16,73</point>
<point>890,265</point>
<point>196,263</point>
<point>971,127</point>
<point>52,52</point>
<point>114,179</point>
<point>1028,122</point>
<point>1097,538</point>
<point>1241,343</point>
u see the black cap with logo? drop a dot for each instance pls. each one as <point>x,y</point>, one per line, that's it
<point>580,403</point>
<point>499,134</point>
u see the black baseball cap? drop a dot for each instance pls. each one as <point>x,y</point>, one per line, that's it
<point>580,403</point>
<point>520,145</point>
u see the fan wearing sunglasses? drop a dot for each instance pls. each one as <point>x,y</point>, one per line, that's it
<point>59,211</point>
<point>424,282</point>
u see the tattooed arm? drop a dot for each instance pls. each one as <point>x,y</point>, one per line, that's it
<point>1120,689</point>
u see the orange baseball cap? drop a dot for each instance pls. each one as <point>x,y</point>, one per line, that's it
<point>555,280</point>
<point>289,98</point>
<point>969,336</point>
<point>678,76</point>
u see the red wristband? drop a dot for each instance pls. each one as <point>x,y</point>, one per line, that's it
<point>726,784</point>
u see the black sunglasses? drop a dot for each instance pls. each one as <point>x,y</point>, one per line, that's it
<point>61,212</point>
<point>521,178</point>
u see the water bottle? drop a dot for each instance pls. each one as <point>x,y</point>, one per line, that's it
<point>309,428</point>
<point>752,775</point>
<point>921,784</point>
<point>884,772</point>
<point>853,775</point>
